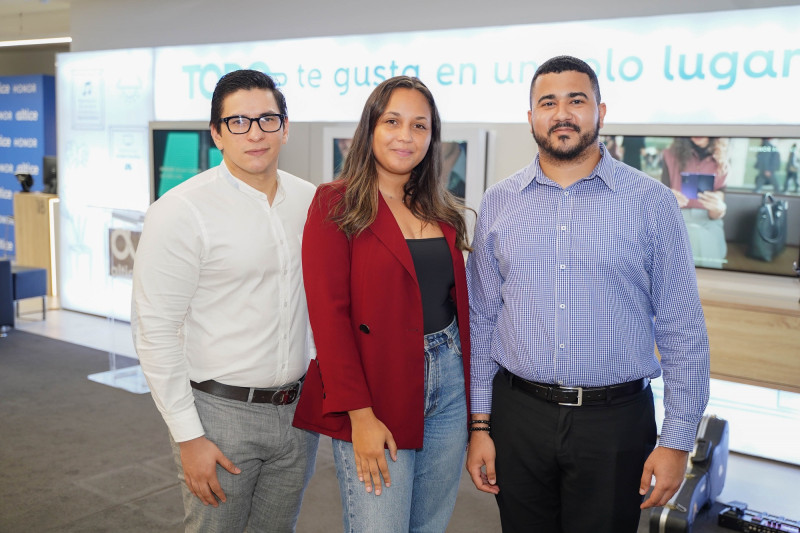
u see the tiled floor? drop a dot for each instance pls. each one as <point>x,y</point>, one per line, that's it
<point>764,485</point>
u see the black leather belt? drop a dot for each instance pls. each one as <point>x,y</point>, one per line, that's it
<point>576,396</point>
<point>250,395</point>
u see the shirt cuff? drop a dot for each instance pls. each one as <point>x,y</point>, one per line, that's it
<point>678,434</point>
<point>185,425</point>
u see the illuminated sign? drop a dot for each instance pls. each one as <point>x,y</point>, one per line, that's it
<point>696,68</point>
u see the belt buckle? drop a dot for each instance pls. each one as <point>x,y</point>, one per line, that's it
<point>579,390</point>
<point>284,396</point>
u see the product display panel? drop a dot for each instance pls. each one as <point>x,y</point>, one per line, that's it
<point>179,150</point>
<point>739,195</point>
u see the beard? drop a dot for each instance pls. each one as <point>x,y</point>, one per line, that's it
<point>567,153</point>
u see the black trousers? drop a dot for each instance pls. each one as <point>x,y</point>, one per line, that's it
<point>567,469</point>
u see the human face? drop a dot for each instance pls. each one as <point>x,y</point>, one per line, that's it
<point>565,116</point>
<point>253,156</point>
<point>402,134</point>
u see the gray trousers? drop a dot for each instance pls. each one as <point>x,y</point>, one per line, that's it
<point>276,459</point>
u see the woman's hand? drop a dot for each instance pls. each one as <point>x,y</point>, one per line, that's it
<point>682,200</point>
<point>369,437</point>
<point>714,202</point>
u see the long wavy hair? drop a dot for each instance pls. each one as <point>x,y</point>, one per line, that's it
<point>683,147</point>
<point>424,193</point>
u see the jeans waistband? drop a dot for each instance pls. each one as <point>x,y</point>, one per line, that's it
<point>438,337</point>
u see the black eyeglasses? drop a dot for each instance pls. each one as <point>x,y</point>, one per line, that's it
<point>269,123</point>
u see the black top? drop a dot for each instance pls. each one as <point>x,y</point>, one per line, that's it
<point>434,266</point>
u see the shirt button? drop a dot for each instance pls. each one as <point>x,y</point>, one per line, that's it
<point>562,306</point>
<point>561,346</point>
<point>562,267</point>
<point>566,193</point>
<point>563,228</point>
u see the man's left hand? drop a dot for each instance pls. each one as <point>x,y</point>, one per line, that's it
<point>669,467</point>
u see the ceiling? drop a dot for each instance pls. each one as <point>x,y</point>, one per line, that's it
<point>34,19</point>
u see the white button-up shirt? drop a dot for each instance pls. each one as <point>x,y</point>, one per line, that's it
<point>218,291</point>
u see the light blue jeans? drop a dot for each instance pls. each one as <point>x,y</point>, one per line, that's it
<point>424,481</point>
<point>276,459</point>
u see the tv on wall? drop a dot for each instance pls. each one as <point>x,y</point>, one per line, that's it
<point>178,151</point>
<point>721,177</point>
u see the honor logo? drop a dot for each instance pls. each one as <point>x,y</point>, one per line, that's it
<point>26,142</point>
<point>25,88</point>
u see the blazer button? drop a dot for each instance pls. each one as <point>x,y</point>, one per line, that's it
<point>364,328</point>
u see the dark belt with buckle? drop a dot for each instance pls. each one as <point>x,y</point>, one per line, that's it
<point>246,394</point>
<point>576,396</point>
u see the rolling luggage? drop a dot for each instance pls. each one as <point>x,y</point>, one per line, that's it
<point>703,482</point>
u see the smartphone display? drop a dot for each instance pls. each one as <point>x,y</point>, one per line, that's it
<point>692,183</point>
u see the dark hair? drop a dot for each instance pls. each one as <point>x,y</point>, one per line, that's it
<point>243,80</point>
<point>559,64</point>
<point>683,147</point>
<point>425,194</point>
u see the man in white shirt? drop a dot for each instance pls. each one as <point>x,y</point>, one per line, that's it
<point>220,322</point>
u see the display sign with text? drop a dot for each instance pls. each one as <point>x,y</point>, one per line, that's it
<point>726,67</point>
<point>27,134</point>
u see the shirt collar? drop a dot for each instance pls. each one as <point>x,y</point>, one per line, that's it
<point>280,193</point>
<point>604,170</point>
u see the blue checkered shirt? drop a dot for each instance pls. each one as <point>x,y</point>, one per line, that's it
<point>577,286</point>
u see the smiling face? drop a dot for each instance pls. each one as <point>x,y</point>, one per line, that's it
<point>253,156</point>
<point>565,116</point>
<point>402,134</point>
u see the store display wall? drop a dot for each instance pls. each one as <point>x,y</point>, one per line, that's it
<point>27,135</point>
<point>676,69</point>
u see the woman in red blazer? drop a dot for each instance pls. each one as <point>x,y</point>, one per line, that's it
<point>383,268</point>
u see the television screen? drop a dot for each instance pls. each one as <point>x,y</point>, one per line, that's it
<point>179,150</point>
<point>739,196</point>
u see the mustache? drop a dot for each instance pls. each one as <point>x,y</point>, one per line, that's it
<point>569,125</point>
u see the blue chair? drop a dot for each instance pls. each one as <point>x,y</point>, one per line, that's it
<point>30,282</point>
<point>6,297</point>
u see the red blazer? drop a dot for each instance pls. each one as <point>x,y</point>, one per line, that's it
<point>366,314</point>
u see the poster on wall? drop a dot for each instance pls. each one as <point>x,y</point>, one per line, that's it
<point>464,157</point>
<point>105,102</point>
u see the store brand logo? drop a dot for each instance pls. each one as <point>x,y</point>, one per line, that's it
<point>6,115</point>
<point>26,142</point>
<point>6,194</point>
<point>122,244</point>
<point>27,168</point>
<point>25,88</point>
<point>27,115</point>
<point>5,142</point>
<point>5,88</point>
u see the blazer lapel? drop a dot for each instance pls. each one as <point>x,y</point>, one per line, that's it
<point>385,228</point>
